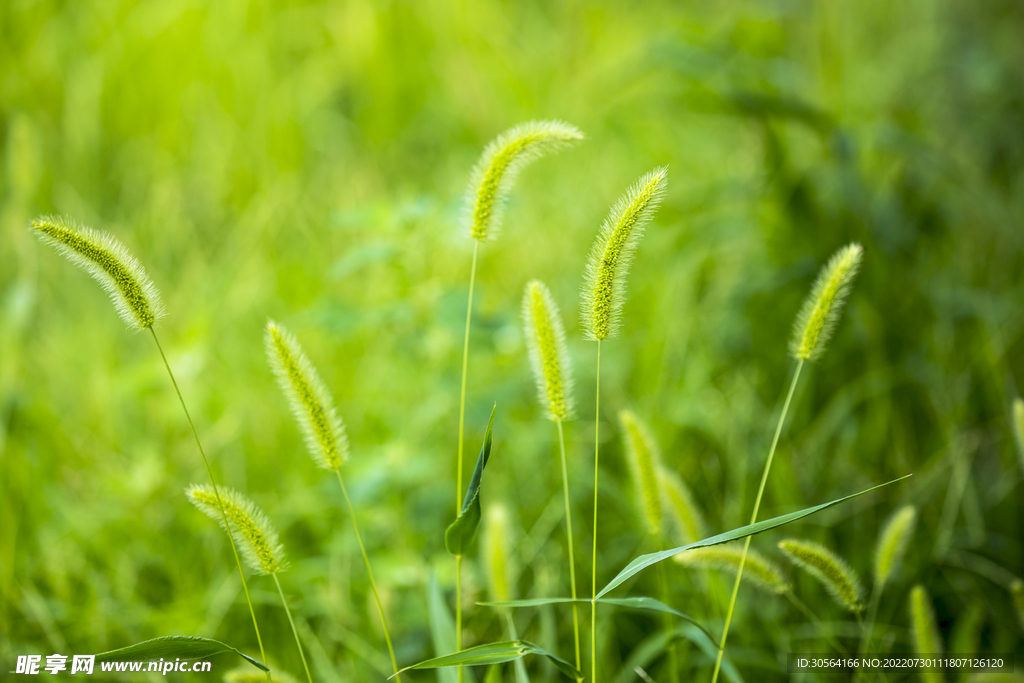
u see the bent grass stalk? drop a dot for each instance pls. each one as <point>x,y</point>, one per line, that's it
<point>325,435</point>
<point>491,181</point>
<point>137,301</point>
<point>601,306</point>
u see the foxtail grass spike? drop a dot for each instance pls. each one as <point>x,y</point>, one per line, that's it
<point>605,277</point>
<point>645,465</point>
<point>927,640</point>
<point>757,569</point>
<point>309,398</point>
<point>500,164</point>
<point>831,570</point>
<point>494,551</point>
<point>545,338</point>
<point>1017,593</point>
<point>822,307</point>
<point>892,544</point>
<point>1018,427</point>
<point>682,508</point>
<point>110,263</point>
<point>250,528</point>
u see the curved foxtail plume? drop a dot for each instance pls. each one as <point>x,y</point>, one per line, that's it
<point>822,307</point>
<point>247,524</point>
<point>110,263</point>
<point>499,165</point>
<point>545,338</point>
<point>925,631</point>
<point>683,509</point>
<point>829,569</point>
<point>604,282</point>
<point>645,464</point>
<point>892,544</point>
<point>309,398</point>
<point>763,573</point>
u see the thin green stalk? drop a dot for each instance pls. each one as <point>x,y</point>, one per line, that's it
<point>753,519</point>
<point>799,604</point>
<point>291,621</point>
<point>462,429</point>
<point>220,504</point>
<point>868,632</point>
<point>369,572</point>
<point>568,530</point>
<point>593,564</point>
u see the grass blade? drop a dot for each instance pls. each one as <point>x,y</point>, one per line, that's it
<point>462,531</point>
<point>169,647</point>
<point>495,653</point>
<point>644,561</point>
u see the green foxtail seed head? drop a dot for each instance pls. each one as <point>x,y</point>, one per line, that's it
<point>927,640</point>
<point>1017,593</point>
<point>757,569</point>
<point>109,262</point>
<point>892,543</point>
<point>644,464</point>
<point>545,338</point>
<point>309,398</point>
<point>250,528</point>
<point>604,281</point>
<point>682,509</point>
<point>822,307</point>
<point>831,570</point>
<point>1018,427</point>
<point>494,548</point>
<point>500,164</point>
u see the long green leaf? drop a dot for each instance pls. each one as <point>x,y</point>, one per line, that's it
<point>495,653</point>
<point>644,561</point>
<point>169,647</point>
<point>632,603</point>
<point>462,531</point>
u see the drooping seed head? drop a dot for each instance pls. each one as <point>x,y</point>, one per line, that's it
<point>110,263</point>
<point>499,165</point>
<point>1017,593</point>
<point>309,398</point>
<point>247,524</point>
<point>927,640</point>
<point>822,307</point>
<point>892,543</point>
<point>545,338</point>
<point>495,556</point>
<point>683,510</point>
<point>1018,427</point>
<point>758,570</point>
<point>644,464</point>
<point>831,570</point>
<point>604,282</point>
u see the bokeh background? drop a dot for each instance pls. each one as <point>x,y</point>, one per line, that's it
<point>306,162</point>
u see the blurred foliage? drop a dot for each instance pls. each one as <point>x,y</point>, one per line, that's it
<point>307,161</point>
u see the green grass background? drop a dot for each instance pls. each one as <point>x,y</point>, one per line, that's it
<point>307,162</point>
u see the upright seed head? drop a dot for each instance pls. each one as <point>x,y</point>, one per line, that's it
<point>892,543</point>
<point>682,508</point>
<point>495,553</point>
<point>110,263</point>
<point>605,277</point>
<point>500,164</point>
<point>822,307</point>
<point>1017,593</point>
<point>927,640</point>
<point>1018,427</point>
<point>644,464</point>
<point>831,570</point>
<point>757,569</point>
<point>247,524</point>
<point>309,398</point>
<point>545,338</point>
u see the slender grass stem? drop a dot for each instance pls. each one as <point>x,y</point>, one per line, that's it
<point>462,431</point>
<point>593,556</point>
<point>220,503</point>
<point>568,531</point>
<point>369,572</point>
<point>295,633</point>
<point>753,519</point>
<point>800,605</point>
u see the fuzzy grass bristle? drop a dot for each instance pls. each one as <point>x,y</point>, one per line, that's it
<point>644,464</point>
<point>309,398</point>
<point>892,543</point>
<point>494,552</point>
<point>832,571</point>
<point>109,262</point>
<point>683,510</point>
<point>247,524</point>
<point>499,165</point>
<point>823,306</point>
<point>610,257</point>
<point>926,637</point>
<point>545,338</point>
<point>757,569</point>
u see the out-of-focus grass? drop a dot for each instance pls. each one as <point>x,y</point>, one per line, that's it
<point>308,162</point>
